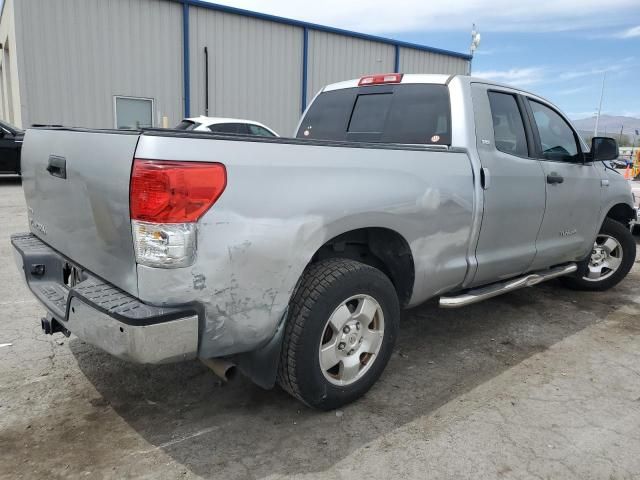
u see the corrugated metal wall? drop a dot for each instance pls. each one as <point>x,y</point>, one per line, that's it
<point>333,58</point>
<point>418,61</point>
<point>10,109</point>
<point>78,54</point>
<point>74,56</point>
<point>255,68</point>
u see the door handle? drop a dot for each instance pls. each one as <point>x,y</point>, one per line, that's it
<point>553,177</point>
<point>57,166</point>
<point>485,178</point>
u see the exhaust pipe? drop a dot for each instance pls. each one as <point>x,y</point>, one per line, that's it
<point>224,369</point>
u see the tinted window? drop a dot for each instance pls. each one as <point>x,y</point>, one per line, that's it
<point>508,127</point>
<point>411,113</point>
<point>370,112</point>
<point>187,125</point>
<point>258,130</point>
<point>556,136</point>
<point>237,128</point>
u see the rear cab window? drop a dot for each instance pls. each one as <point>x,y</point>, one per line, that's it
<point>399,113</point>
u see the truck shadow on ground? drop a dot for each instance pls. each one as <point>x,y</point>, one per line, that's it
<point>238,430</point>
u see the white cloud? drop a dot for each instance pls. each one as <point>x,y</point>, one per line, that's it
<point>383,17</point>
<point>520,77</point>
<point>630,33</point>
<point>571,91</point>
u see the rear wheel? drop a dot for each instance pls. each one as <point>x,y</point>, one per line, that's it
<point>341,328</point>
<point>611,258</point>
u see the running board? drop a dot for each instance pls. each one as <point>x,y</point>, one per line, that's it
<point>495,289</point>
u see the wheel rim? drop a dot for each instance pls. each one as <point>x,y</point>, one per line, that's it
<point>351,340</point>
<point>605,260</point>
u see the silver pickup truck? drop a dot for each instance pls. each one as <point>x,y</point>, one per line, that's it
<point>291,258</point>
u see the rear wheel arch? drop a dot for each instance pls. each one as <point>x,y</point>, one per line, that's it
<point>379,247</point>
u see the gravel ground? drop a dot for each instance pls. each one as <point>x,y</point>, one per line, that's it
<point>540,383</point>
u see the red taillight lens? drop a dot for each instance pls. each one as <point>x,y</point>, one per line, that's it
<point>174,192</point>
<point>380,79</point>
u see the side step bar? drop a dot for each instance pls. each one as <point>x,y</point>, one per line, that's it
<point>495,289</point>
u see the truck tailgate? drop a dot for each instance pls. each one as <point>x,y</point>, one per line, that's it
<point>76,184</point>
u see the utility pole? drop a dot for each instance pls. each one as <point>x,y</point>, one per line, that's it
<point>604,77</point>
<point>475,42</point>
<point>620,137</point>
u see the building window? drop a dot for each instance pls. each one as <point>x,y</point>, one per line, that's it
<point>132,113</point>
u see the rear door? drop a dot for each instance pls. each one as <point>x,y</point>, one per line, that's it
<point>513,183</point>
<point>573,189</point>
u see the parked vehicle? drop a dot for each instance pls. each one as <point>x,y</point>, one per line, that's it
<point>10,147</point>
<point>226,125</point>
<point>292,257</point>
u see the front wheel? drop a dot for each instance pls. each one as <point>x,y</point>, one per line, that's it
<point>611,258</point>
<point>341,328</point>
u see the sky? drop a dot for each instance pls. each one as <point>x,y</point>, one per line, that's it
<point>559,49</point>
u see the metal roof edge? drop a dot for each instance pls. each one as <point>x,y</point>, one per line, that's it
<point>322,28</point>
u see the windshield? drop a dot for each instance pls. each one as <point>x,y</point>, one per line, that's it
<point>187,125</point>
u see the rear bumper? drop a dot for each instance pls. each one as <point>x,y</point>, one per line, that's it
<point>102,314</point>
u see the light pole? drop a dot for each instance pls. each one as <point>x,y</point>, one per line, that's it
<point>595,133</point>
<point>475,42</point>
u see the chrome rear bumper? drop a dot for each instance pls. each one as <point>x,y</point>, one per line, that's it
<point>103,315</point>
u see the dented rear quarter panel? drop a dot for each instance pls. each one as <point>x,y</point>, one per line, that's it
<point>283,202</point>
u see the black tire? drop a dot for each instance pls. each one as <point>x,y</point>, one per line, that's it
<point>324,286</point>
<point>623,235</point>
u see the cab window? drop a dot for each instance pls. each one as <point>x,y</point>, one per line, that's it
<point>508,127</point>
<point>557,139</point>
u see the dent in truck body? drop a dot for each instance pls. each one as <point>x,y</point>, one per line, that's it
<point>253,247</point>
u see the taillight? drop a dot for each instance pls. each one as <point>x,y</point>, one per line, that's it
<point>174,192</point>
<point>167,198</point>
<point>380,79</point>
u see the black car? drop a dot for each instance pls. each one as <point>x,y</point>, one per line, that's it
<point>10,147</point>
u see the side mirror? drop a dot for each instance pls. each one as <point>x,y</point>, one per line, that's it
<point>2,133</point>
<point>604,148</point>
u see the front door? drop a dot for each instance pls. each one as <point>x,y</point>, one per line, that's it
<point>573,189</point>
<point>514,185</point>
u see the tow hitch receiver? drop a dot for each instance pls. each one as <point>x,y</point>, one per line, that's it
<point>50,326</point>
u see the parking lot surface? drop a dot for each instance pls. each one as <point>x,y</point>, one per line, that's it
<point>540,383</point>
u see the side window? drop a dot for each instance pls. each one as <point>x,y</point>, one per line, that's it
<point>556,136</point>
<point>258,130</point>
<point>508,127</point>
<point>237,128</point>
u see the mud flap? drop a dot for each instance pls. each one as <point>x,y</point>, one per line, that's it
<point>261,365</point>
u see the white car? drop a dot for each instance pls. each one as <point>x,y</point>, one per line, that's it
<point>226,125</point>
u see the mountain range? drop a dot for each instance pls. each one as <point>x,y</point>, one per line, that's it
<point>609,125</point>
